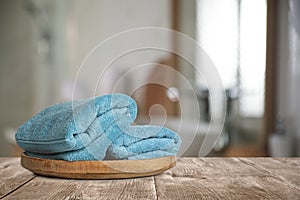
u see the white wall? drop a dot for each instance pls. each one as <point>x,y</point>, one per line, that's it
<point>89,24</point>
<point>288,71</point>
<point>16,67</point>
<point>294,21</point>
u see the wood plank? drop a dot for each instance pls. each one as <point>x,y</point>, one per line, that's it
<point>12,175</point>
<point>53,188</point>
<point>106,169</point>
<point>192,178</point>
<point>222,178</point>
<point>286,168</point>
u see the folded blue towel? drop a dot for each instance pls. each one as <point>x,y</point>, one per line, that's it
<point>142,142</point>
<point>94,129</point>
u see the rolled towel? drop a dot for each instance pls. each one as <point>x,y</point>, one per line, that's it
<point>61,130</point>
<point>92,129</point>
<point>142,142</point>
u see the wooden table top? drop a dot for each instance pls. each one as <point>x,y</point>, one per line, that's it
<point>192,178</point>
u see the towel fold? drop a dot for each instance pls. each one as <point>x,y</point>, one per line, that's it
<point>94,129</point>
<point>142,142</point>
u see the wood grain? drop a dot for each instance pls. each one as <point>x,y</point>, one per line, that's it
<point>286,168</point>
<point>53,188</point>
<point>12,175</point>
<point>107,169</point>
<point>192,178</point>
<point>223,178</point>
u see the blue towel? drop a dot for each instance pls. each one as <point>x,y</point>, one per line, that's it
<point>142,142</point>
<point>94,129</point>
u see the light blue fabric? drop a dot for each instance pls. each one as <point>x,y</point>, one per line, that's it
<point>142,142</point>
<point>94,129</point>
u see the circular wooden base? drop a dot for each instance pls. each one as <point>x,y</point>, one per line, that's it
<point>107,169</point>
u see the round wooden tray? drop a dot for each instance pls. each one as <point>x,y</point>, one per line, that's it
<point>107,169</point>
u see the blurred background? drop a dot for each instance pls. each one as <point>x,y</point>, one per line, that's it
<point>254,44</point>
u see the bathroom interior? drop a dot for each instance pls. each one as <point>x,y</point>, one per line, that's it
<point>47,56</point>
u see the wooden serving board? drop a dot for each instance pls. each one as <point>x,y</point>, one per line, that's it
<point>107,169</point>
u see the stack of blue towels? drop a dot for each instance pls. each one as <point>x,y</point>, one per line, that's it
<point>95,129</point>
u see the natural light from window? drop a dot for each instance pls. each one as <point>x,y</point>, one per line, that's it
<point>233,33</point>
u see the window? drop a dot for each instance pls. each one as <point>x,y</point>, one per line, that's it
<point>233,33</point>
